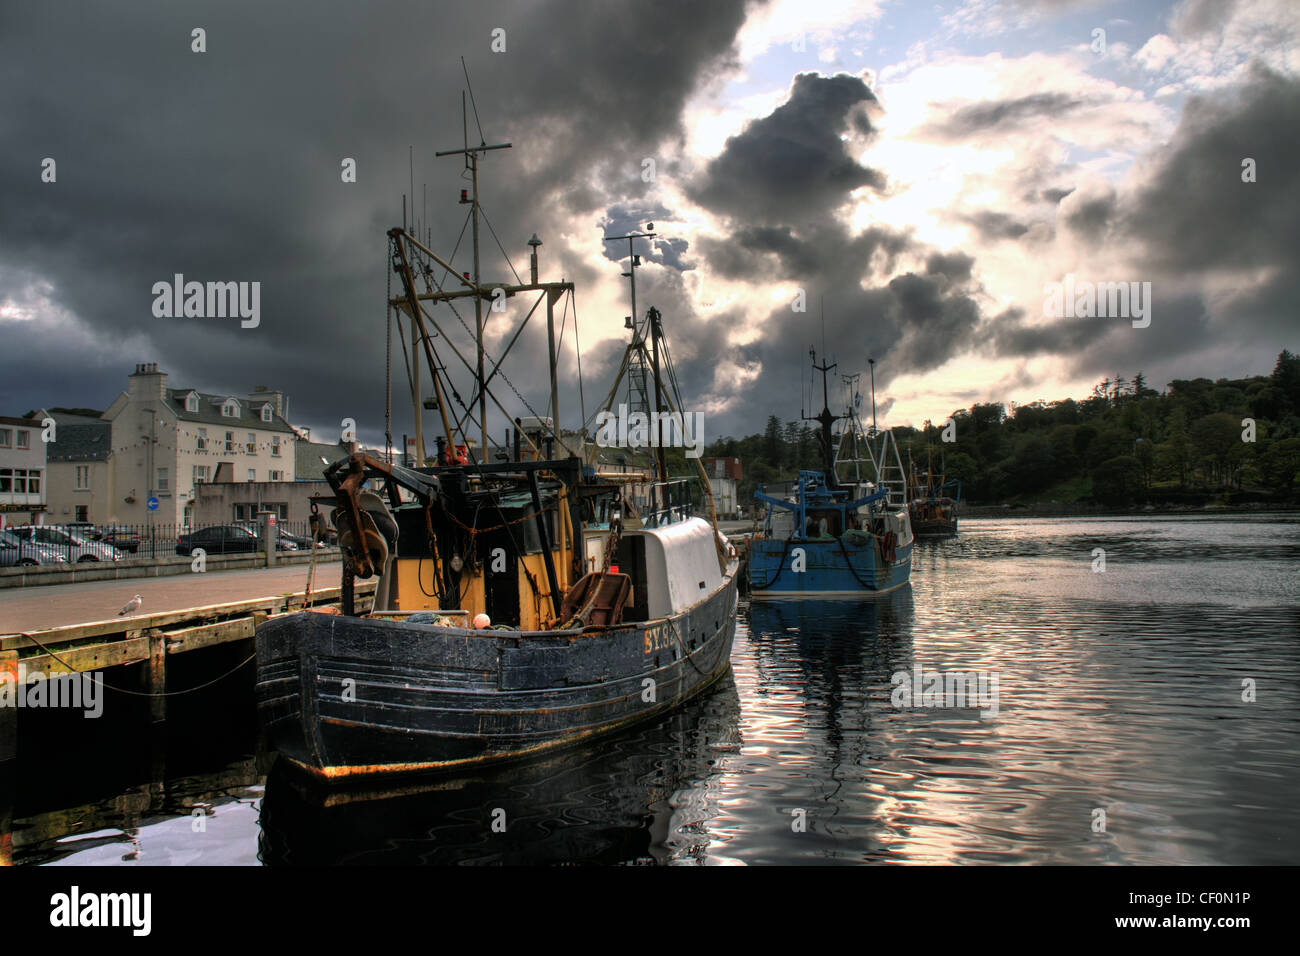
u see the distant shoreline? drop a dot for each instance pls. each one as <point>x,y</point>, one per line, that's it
<point>1098,511</point>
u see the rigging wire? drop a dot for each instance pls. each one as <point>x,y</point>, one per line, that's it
<point>505,254</point>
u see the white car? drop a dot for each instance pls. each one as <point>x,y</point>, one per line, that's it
<point>15,552</point>
<point>73,547</point>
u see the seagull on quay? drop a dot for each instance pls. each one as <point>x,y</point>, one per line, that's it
<point>131,606</point>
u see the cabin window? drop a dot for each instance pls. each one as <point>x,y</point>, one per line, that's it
<point>526,533</point>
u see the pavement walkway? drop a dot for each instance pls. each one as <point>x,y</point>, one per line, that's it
<point>54,605</point>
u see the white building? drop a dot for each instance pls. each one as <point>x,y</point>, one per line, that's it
<point>22,471</point>
<point>79,482</point>
<point>163,442</point>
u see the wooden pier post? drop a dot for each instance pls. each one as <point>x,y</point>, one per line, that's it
<point>157,675</point>
<point>9,706</point>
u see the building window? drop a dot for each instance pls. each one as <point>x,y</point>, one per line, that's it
<point>24,438</point>
<point>200,474</point>
<point>162,479</point>
<point>266,413</point>
<point>83,478</point>
<point>191,402</point>
<point>275,446</point>
<point>275,476</point>
<point>252,474</point>
<point>202,439</point>
<point>230,441</point>
<point>83,512</point>
<point>33,482</point>
<point>252,443</point>
<point>6,437</point>
<point>6,479</point>
<point>230,408</point>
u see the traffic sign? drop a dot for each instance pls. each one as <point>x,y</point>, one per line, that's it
<point>152,504</point>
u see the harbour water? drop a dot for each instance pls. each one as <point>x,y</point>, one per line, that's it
<point>1147,713</point>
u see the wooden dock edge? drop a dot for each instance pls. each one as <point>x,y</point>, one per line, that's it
<point>45,653</point>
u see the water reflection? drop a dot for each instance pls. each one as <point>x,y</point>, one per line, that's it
<point>641,798</point>
<point>1123,692</point>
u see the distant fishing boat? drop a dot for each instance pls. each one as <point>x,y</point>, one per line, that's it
<point>932,512</point>
<point>529,595</point>
<point>840,529</point>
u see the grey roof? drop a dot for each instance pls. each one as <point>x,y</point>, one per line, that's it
<point>307,455</point>
<point>87,440</point>
<point>209,412</point>
<point>67,418</point>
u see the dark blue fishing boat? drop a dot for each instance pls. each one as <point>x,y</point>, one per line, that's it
<point>830,533</point>
<point>524,604</point>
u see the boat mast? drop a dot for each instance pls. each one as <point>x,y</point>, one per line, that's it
<point>471,154</point>
<point>872,363</point>
<point>825,419</point>
<point>652,319</point>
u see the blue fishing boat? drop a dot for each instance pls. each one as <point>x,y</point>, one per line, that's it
<point>840,529</point>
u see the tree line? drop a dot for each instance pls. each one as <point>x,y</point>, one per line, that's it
<point>1127,443</point>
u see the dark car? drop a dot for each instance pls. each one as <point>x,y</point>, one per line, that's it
<point>221,539</point>
<point>301,542</point>
<point>124,539</point>
<point>284,541</point>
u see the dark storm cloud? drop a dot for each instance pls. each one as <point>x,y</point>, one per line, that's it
<point>1055,196</point>
<point>792,164</point>
<point>954,267</point>
<point>1090,217</point>
<point>800,254</point>
<point>1190,216</point>
<point>995,225</point>
<point>1196,213</point>
<point>1180,327</point>
<point>225,165</point>
<point>1004,115</point>
<point>782,184</point>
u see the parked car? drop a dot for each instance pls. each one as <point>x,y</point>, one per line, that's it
<point>301,542</point>
<point>219,539</point>
<point>83,529</point>
<point>14,551</point>
<point>122,538</point>
<point>284,540</point>
<point>72,546</point>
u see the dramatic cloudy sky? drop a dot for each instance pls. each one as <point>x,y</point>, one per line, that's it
<point>922,169</point>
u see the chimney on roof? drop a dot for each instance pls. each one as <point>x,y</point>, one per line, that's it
<point>146,383</point>
<point>261,394</point>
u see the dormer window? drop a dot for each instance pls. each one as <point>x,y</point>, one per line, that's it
<point>230,408</point>
<point>266,413</point>
<point>191,402</point>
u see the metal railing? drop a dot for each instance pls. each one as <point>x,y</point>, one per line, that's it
<point>72,544</point>
<point>668,502</point>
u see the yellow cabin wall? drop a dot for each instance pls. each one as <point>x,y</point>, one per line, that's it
<point>411,597</point>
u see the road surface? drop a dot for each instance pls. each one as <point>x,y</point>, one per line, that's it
<point>25,609</point>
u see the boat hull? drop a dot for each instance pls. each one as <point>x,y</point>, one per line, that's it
<point>933,528</point>
<point>826,567</point>
<point>344,697</point>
